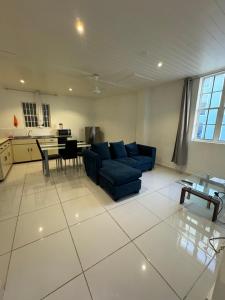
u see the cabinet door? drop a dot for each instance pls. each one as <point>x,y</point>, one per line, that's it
<point>10,155</point>
<point>4,163</point>
<point>21,153</point>
<point>35,153</point>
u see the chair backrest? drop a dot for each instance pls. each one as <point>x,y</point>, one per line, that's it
<point>41,152</point>
<point>62,140</point>
<point>70,150</point>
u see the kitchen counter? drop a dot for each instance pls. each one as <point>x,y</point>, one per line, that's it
<point>3,140</point>
<point>25,137</point>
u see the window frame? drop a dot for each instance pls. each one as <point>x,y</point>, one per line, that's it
<point>38,108</point>
<point>29,115</point>
<point>48,116</point>
<point>219,118</point>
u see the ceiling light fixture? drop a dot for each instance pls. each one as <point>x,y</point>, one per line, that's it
<point>22,81</point>
<point>160,64</point>
<point>70,89</point>
<point>79,26</point>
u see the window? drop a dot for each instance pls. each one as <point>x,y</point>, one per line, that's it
<point>30,114</point>
<point>210,112</point>
<point>33,114</point>
<point>46,115</point>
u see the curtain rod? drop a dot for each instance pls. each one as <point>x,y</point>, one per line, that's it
<point>31,91</point>
<point>208,73</point>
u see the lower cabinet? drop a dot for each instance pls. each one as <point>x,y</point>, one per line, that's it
<point>25,152</point>
<point>6,159</point>
<point>27,149</point>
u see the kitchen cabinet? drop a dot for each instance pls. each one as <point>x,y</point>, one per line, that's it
<point>25,150</point>
<point>6,159</point>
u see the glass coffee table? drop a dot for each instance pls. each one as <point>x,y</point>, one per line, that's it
<point>204,186</point>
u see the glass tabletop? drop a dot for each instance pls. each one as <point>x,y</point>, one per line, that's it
<point>205,183</point>
<point>54,146</point>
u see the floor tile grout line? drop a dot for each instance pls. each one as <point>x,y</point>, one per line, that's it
<point>38,209</point>
<point>39,239</point>
<point>85,220</point>
<point>73,199</point>
<point>75,247</point>
<point>4,220</point>
<point>107,256</point>
<point>11,252</point>
<point>58,288</point>
<point>158,272</point>
<point>132,241</point>
<point>200,275</point>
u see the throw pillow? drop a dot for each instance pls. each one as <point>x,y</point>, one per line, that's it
<point>118,149</point>
<point>102,149</point>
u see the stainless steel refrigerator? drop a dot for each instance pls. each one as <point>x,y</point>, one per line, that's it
<point>93,135</point>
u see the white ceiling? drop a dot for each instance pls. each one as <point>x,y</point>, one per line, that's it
<point>124,41</point>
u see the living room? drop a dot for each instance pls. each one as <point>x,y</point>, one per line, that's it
<point>112,143</point>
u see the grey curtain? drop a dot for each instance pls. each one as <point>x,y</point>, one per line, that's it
<point>180,152</point>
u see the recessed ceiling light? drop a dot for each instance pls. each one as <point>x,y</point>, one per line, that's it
<point>70,89</point>
<point>79,26</point>
<point>160,64</point>
<point>22,81</point>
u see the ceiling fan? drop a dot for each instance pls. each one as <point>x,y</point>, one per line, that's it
<point>96,90</point>
<point>98,80</point>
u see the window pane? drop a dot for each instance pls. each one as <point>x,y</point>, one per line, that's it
<point>222,133</point>
<point>205,100</point>
<point>223,122</point>
<point>200,131</point>
<point>215,101</point>
<point>207,85</point>
<point>209,132</point>
<point>202,116</point>
<point>212,116</point>
<point>218,83</point>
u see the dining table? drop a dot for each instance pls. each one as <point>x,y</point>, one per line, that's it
<point>54,146</point>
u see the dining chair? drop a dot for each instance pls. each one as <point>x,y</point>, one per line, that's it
<point>57,157</point>
<point>70,151</point>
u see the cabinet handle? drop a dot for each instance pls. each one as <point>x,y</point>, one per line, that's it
<point>31,149</point>
<point>5,158</point>
<point>28,150</point>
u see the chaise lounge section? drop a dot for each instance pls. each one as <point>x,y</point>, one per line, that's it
<point>117,168</point>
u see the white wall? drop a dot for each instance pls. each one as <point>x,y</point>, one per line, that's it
<point>73,112</point>
<point>116,117</point>
<point>164,109</point>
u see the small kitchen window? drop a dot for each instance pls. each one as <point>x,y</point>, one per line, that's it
<point>30,114</point>
<point>46,115</point>
<point>36,115</point>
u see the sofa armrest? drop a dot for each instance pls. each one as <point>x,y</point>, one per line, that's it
<point>148,151</point>
<point>92,163</point>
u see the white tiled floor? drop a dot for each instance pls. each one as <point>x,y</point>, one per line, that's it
<point>64,237</point>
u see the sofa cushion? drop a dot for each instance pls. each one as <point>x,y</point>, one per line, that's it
<point>129,161</point>
<point>120,175</point>
<point>143,159</point>
<point>118,149</point>
<point>132,149</point>
<point>110,163</point>
<point>102,149</point>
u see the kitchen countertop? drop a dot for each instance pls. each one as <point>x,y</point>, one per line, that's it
<point>3,140</point>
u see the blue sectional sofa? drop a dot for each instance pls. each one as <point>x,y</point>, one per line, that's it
<point>117,168</point>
